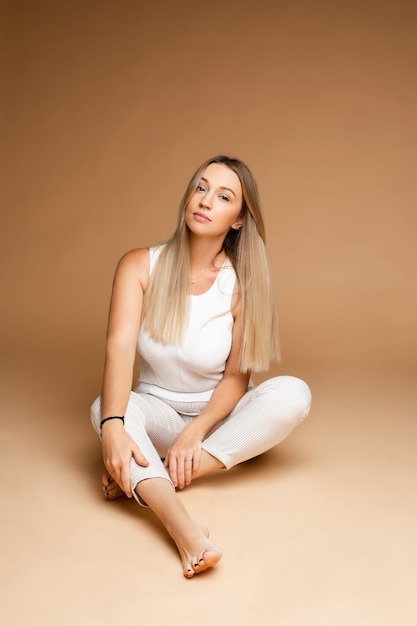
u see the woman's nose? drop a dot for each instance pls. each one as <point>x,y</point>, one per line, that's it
<point>206,201</point>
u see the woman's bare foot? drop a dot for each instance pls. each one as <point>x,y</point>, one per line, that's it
<point>111,489</point>
<point>199,554</point>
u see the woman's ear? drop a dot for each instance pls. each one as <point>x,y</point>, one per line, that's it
<point>238,224</point>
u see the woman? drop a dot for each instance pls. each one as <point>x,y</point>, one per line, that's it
<point>200,311</point>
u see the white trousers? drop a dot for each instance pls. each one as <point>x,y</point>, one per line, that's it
<point>262,418</point>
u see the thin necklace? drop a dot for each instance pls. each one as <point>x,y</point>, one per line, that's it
<point>194,280</point>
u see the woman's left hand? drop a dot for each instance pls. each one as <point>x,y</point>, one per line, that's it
<point>183,458</point>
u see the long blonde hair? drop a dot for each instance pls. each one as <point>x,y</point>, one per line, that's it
<point>166,301</point>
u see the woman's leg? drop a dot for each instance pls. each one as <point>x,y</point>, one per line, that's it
<point>148,417</point>
<point>153,425</point>
<point>197,552</point>
<point>261,419</point>
<point>135,425</point>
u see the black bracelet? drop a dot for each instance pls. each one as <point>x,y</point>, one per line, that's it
<point>114,417</point>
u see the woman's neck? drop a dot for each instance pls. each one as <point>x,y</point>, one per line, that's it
<point>205,253</point>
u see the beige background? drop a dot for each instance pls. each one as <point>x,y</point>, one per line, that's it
<point>108,109</point>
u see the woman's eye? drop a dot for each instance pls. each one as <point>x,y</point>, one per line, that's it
<point>224,197</point>
<point>200,188</point>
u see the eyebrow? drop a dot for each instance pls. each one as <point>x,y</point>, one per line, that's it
<point>226,188</point>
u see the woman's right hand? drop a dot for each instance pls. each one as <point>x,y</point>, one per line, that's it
<point>118,450</point>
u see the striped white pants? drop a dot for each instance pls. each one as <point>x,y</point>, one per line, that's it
<point>262,418</point>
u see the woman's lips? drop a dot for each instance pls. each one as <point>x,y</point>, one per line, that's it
<point>200,217</point>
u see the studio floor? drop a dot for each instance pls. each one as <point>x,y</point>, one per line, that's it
<point>319,531</point>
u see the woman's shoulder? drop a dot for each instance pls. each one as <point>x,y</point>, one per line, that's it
<point>135,262</point>
<point>137,256</point>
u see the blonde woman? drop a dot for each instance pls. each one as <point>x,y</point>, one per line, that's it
<point>200,311</point>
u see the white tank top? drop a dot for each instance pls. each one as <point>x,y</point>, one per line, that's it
<point>190,371</point>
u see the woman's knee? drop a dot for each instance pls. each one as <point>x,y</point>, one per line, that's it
<point>95,414</point>
<point>291,392</point>
<point>302,394</point>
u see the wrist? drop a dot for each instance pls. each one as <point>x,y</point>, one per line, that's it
<point>113,419</point>
<point>196,429</point>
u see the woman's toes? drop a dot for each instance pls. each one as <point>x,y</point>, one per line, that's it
<point>198,561</point>
<point>188,568</point>
<point>106,479</point>
<point>111,489</point>
<point>206,559</point>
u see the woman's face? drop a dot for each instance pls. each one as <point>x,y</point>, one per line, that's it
<point>216,204</point>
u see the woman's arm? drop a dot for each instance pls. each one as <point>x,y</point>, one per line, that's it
<point>228,392</point>
<point>129,286</point>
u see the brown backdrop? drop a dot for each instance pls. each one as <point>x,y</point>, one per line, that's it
<point>110,107</point>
